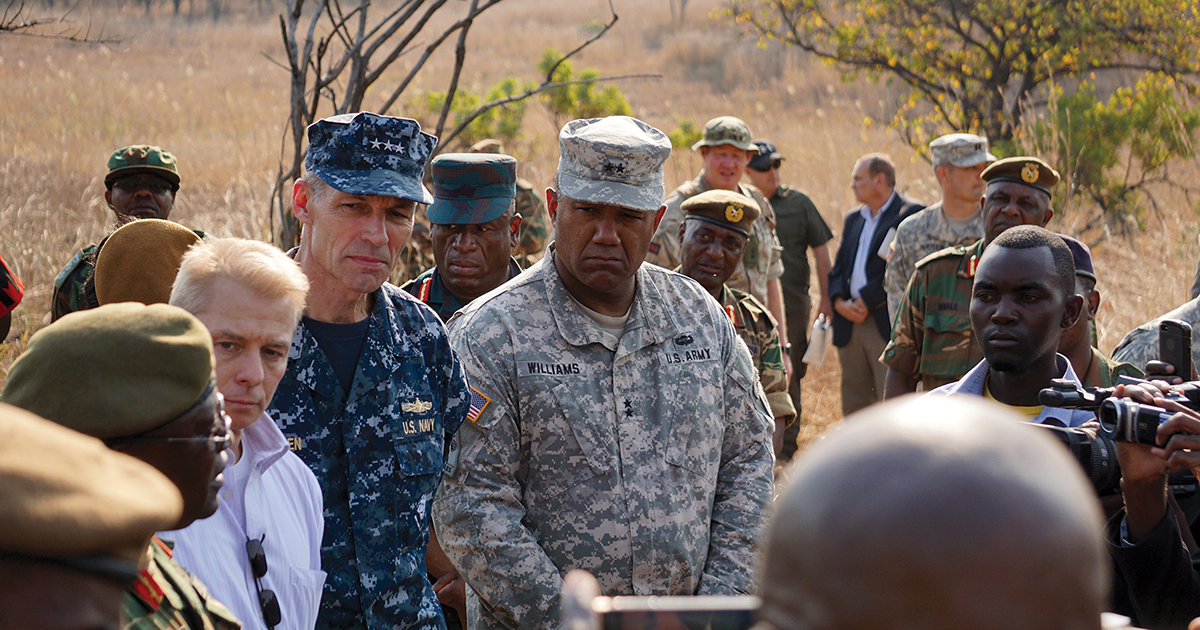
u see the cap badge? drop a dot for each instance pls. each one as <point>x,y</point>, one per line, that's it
<point>1030,173</point>
<point>733,213</point>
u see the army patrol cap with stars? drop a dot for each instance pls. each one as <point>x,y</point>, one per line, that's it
<point>616,160</point>
<point>726,130</point>
<point>114,371</point>
<point>1030,171</point>
<point>142,158</point>
<point>471,188</point>
<point>724,208</point>
<point>368,154</point>
<point>70,500</point>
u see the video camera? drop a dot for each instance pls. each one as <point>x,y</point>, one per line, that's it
<point>1123,420</point>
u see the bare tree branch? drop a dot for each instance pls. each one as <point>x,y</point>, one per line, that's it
<point>16,20</point>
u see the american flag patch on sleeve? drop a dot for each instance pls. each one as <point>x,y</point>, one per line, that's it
<point>479,402</point>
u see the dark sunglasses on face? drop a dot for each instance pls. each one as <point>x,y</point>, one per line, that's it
<point>773,165</point>
<point>132,185</point>
<point>266,597</point>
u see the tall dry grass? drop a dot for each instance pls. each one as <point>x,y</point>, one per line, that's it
<point>209,93</point>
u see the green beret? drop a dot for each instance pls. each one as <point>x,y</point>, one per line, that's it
<point>141,158</point>
<point>1030,171</point>
<point>471,188</point>
<point>139,261</point>
<point>724,208</point>
<point>69,498</point>
<point>113,371</point>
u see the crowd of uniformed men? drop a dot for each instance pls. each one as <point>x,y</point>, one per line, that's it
<point>213,432</point>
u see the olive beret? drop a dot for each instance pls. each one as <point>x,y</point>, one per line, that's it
<point>1030,171</point>
<point>139,261</point>
<point>113,371</point>
<point>69,498</point>
<point>724,208</point>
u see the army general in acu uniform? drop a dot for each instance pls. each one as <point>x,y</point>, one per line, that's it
<point>473,228</point>
<point>712,238</point>
<point>372,392</point>
<point>617,424</point>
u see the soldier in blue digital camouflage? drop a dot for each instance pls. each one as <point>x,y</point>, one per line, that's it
<point>141,184</point>
<point>372,393</point>
<point>473,227</point>
<point>617,424</point>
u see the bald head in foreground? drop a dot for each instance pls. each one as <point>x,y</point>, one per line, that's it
<point>929,513</point>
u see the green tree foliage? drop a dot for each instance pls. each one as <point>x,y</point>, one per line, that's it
<point>974,65</point>
<point>686,135</point>
<point>584,99</point>
<point>1110,151</point>
<point>502,123</point>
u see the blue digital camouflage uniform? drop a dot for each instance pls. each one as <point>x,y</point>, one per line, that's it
<point>378,454</point>
<point>428,288</point>
<point>645,460</point>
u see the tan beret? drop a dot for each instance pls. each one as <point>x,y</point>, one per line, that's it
<point>1030,171</point>
<point>724,208</point>
<point>113,371</point>
<point>67,495</point>
<point>138,262</point>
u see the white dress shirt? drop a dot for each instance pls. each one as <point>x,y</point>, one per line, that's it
<point>858,273</point>
<point>282,501</point>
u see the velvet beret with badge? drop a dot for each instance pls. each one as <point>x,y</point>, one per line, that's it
<point>724,208</point>
<point>139,261</point>
<point>142,158</point>
<point>70,499</point>
<point>114,371</point>
<point>1029,171</point>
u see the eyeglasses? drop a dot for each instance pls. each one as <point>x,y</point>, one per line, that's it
<point>266,597</point>
<point>774,165</point>
<point>219,441</point>
<point>132,185</point>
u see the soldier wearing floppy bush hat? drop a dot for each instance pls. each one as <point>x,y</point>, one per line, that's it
<point>77,519</point>
<point>726,148</point>
<point>141,379</point>
<point>473,227</point>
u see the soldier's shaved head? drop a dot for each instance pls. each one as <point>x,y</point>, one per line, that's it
<point>936,513</point>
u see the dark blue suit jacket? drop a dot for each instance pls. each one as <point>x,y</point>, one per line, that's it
<point>873,295</point>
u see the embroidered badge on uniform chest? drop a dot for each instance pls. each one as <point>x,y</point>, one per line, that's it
<point>417,406</point>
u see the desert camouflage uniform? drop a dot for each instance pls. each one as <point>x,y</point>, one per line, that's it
<point>763,260</point>
<point>918,236</point>
<point>756,327</point>
<point>428,288</point>
<point>1141,344</point>
<point>535,224</point>
<point>645,460</point>
<point>166,596</point>
<point>932,340</point>
<point>377,452</point>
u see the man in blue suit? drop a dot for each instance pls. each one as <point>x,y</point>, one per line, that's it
<point>860,320</point>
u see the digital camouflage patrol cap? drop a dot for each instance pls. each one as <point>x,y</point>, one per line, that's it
<point>960,149</point>
<point>724,208</point>
<point>368,154</point>
<point>141,158</point>
<point>616,160</point>
<point>471,187</point>
<point>726,130</point>
<point>71,500</point>
<point>1030,171</point>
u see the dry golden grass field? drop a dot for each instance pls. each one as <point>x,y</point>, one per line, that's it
<point>209,93</point>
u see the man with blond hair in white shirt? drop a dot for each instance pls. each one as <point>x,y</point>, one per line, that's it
<point>261,552</point>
